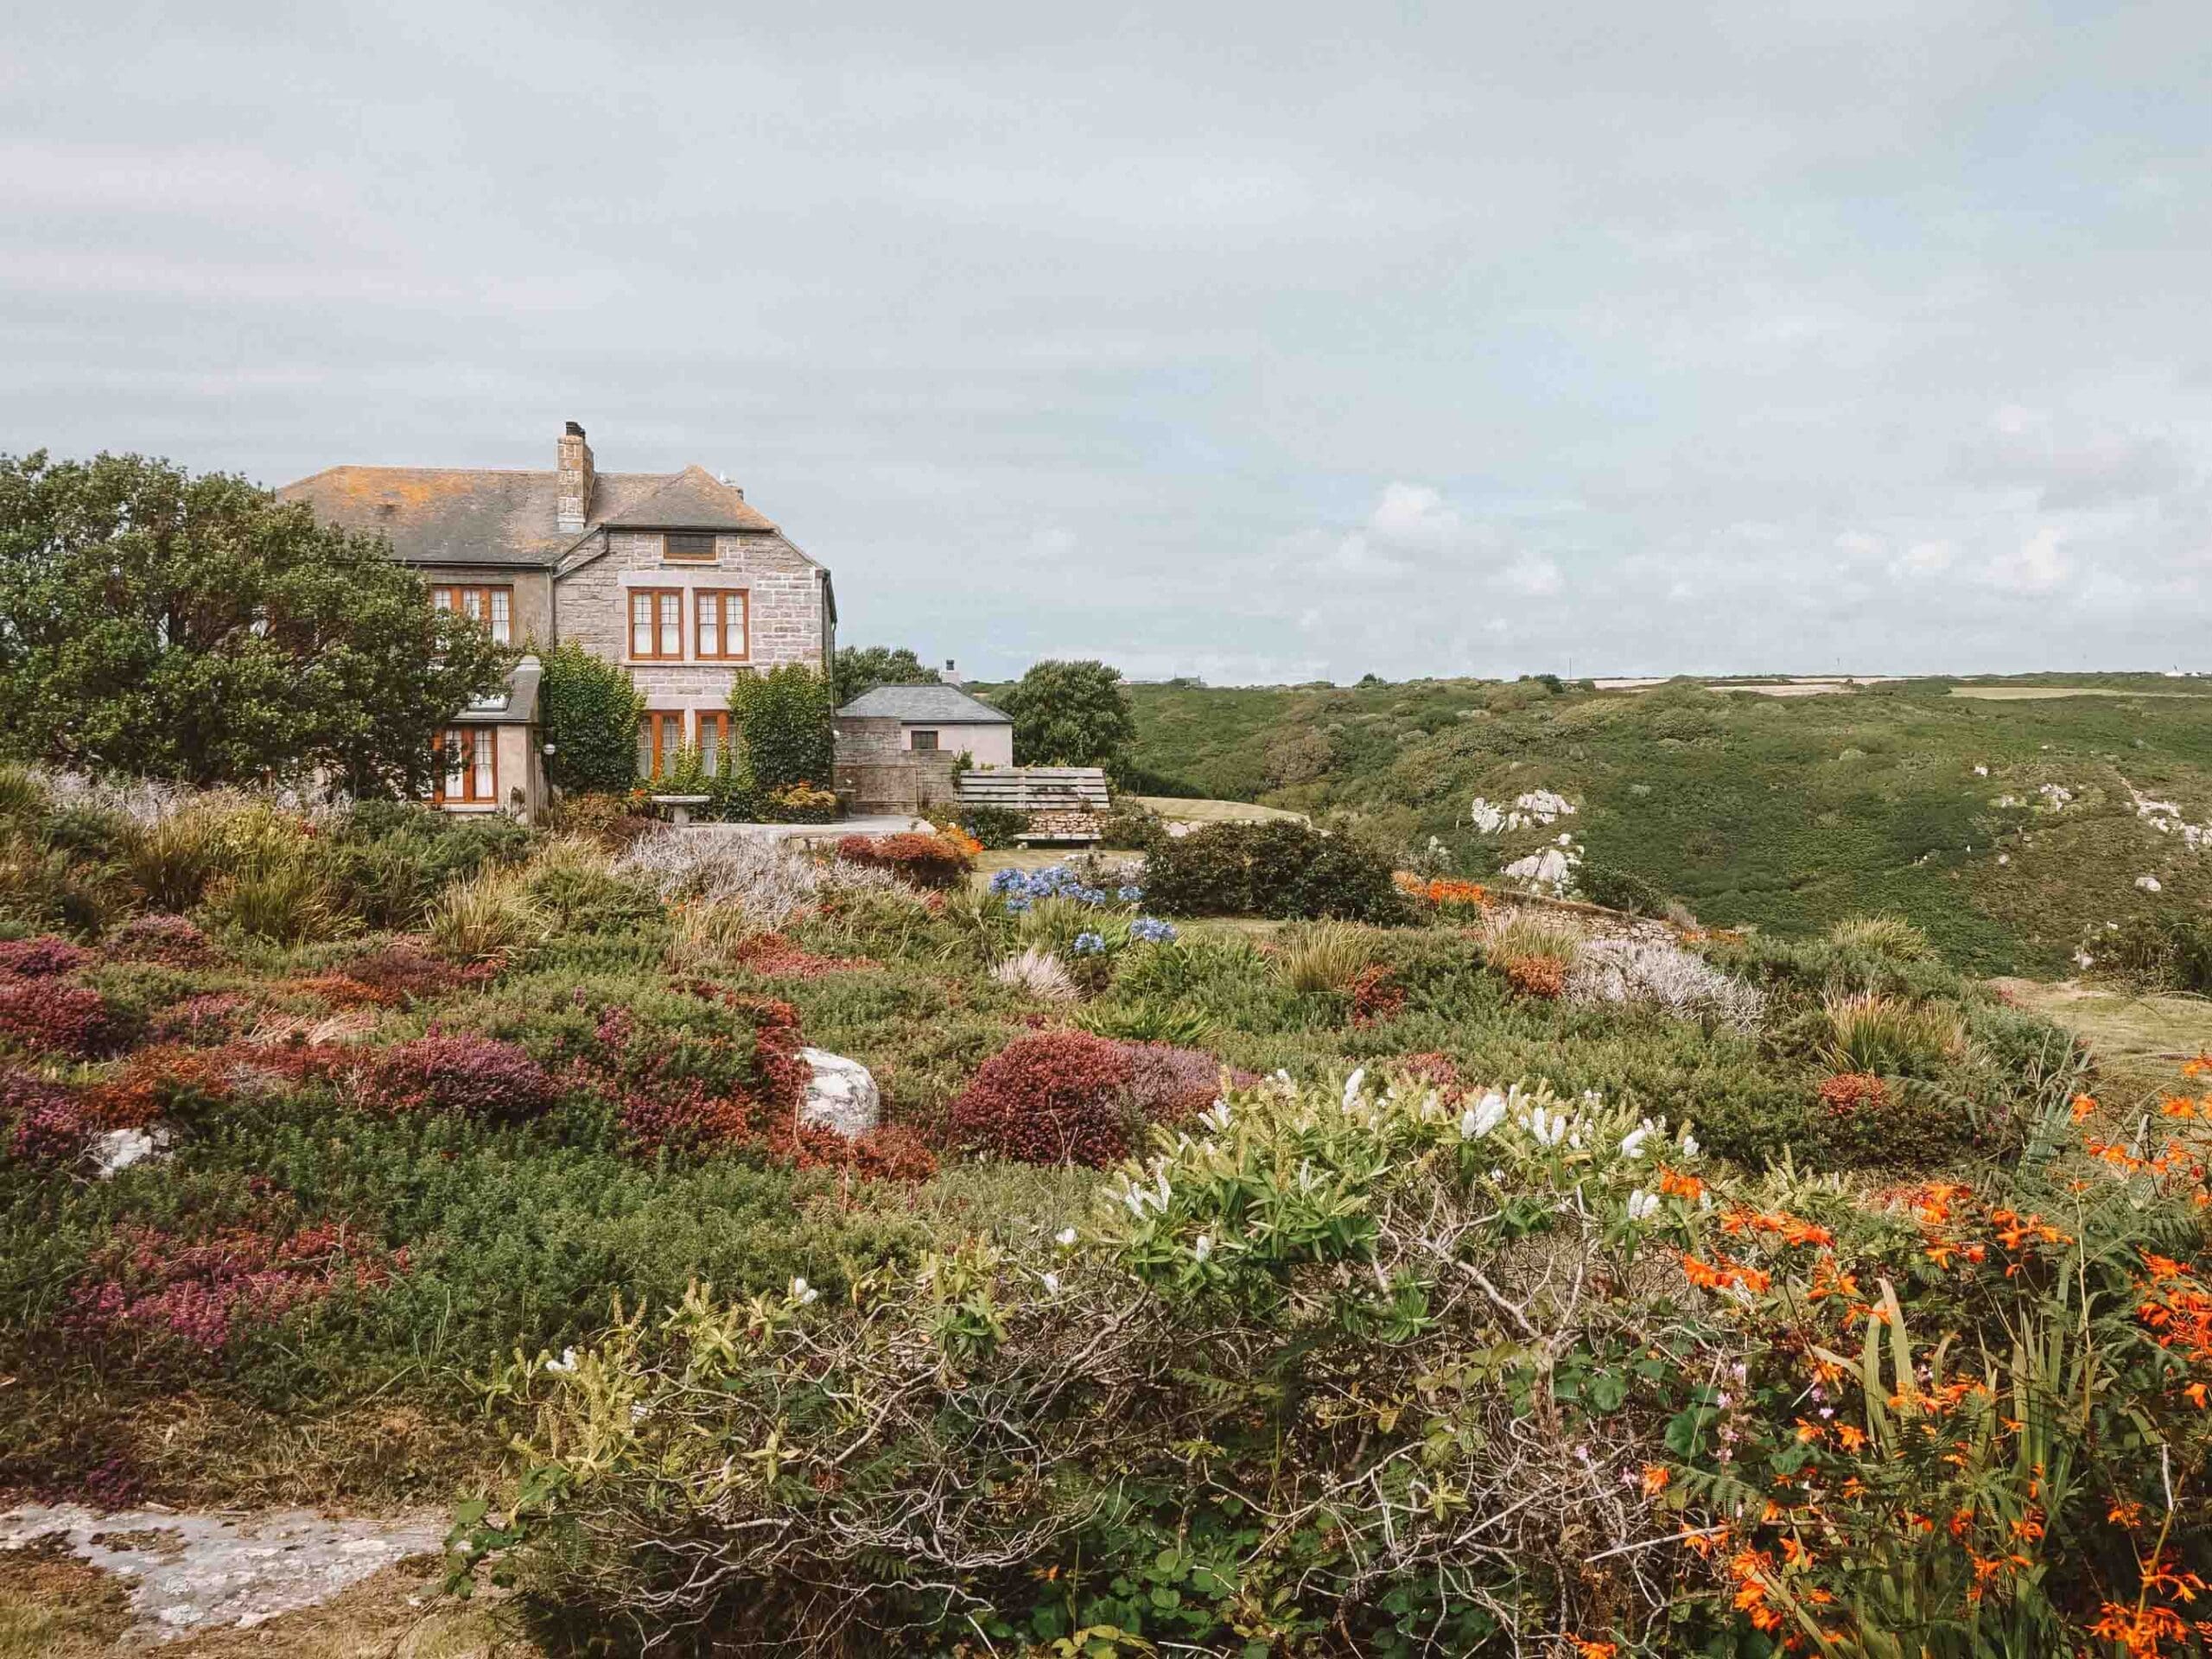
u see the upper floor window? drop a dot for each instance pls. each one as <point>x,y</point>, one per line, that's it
<point>494,607</point>
<point>657,623</point>
<point>924,741</point>
<point>693,545</point>
<point>721,625</point>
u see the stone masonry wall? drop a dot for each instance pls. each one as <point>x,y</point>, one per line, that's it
<point>788,622</point>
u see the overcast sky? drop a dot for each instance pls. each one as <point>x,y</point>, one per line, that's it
<point>1263,342</point>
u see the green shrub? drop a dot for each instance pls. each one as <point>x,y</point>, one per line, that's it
<point>1131,826</point>
<point>2169,953</point>
<point>1322,956</point>
<point>783,719</point>
<point>588,712</point>
<point>997,827</point>
<point>1282,868</point>
<point>1619,889</point>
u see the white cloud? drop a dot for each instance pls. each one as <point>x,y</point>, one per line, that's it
<point>1924,559</point>
<point>1534,575</point>
<point>2037,567</point>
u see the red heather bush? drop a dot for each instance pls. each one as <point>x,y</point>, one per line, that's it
<point>894,1153</point>
<point>170,939</point>
<point>920,861</point>
<point>1167,1084</point>
<point>1854,1091</point>
<point>777,958</point>
<point>477,1076</point>
<point>44,957</point>
<point>51,1018</point>
<point>47,1125</point>
<point>1061,1097</point>
<point>158,1083</point>
<point>403,972</point>
<point>1440,1071</point>
<point>1373,997</point>
<point>150,1283</point>
<point>687,1120</point>
<point>209,1019</point>
<point>1537,976</point>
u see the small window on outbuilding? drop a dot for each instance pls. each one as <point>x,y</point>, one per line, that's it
<point>688,546</point>
<point>924,741</point>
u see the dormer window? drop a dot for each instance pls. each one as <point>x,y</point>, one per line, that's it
<point>687,546</point>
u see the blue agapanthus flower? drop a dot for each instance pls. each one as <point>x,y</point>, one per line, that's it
<point>1151,930</point>
<point>1131,894</point>
<point>1089,944</point>
<point>1054,881</point>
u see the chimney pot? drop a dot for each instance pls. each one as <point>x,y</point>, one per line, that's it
<point>575,430</point>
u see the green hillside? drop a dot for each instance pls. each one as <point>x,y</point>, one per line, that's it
<point>1781,812</point>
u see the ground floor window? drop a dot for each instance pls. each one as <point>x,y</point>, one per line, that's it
<point>470,755</point>
<point>926,741</point>
<point>660,734</point>
<point>714,741</point>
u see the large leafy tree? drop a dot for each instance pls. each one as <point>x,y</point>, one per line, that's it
<point>862,668</point>
<point>195,628</point>
<point>1070,714</point>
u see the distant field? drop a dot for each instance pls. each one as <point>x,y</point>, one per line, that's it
<point>2045,693</point>
<point>1783,813</point>
<point>1199,812</point>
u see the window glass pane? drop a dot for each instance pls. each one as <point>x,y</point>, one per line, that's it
<point>486,755</point>
<point>641,624</point>
<point>443,598</point>
<point>456,738</point>
<point>501,608</point>
<point>710,743</point>
<point>672,624</point>
<point>646,747</point>
<point>924,740</point>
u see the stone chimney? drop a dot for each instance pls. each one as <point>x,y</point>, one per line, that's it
<point>572,498</point>
<point>952,674</point>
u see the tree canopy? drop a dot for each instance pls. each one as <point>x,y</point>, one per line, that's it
<point>1070,714</point>
<point>195,628</point>
<point>862,668</point>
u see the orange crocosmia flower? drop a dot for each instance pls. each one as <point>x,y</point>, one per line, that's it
<point>1586,1649</point>
<point>2195,1394</point>
<point>1675,1186</point>
<point>2083,1105</point>
<point>1848,1438</point>
<point>1656,1476</point>
<point>2177,1106</point>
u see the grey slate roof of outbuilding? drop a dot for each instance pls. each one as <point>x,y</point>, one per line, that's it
<point>942,705</point>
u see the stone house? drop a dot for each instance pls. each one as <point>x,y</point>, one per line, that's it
<point>674,576</point>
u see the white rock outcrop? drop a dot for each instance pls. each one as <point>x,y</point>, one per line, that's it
<point>841,1095</point>
<point>118,1149</point>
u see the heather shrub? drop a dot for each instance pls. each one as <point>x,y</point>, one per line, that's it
<point>48,1017</point>
<point>44,957</point>
<point>928,861</point>
<point>607,820</point>
<point>1058,1097</point>
<point>208,1019</point>
<point>175,940</point>
<point>1542,977</point>
<point>401,971</point>
<point>46,1125</point>
<point>1282,867</point>
<point>477,1076</point>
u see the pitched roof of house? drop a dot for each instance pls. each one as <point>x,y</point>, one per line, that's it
<point>466,515</point>
<point>694,500</point>
<point>946,705</point>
